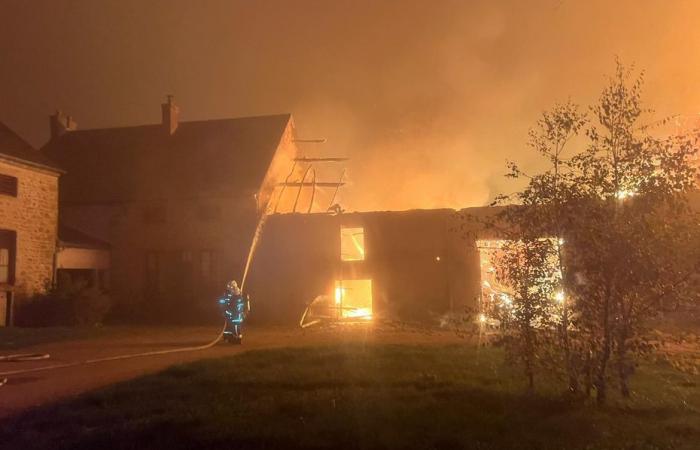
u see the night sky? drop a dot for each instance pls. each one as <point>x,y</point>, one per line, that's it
<point>429,98</point>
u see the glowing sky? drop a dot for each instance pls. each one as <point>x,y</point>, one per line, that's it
<point>428,98</point>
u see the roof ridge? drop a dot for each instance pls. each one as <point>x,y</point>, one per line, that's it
<point>128,163</point>
<point>14,147</point>
<point>180,123</point>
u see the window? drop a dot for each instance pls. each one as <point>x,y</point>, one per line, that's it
<point>185,273</point>
<point>8,185</point>
<point>4,265</point>
<point>353,298</point>
<point>352,244</point>
<point>152,272</point>
<point>208,212</point>
<point>494,293</point>
<point>154,214</point>
<point>205,264</point>
<point>8,242</point>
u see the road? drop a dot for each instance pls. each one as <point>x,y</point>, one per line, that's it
<point>29,390</point>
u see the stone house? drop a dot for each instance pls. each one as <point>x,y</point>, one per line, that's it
<point>178,201</point>
<point>28,221</point>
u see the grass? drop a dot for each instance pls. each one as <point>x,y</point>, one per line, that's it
<point>359,396</point>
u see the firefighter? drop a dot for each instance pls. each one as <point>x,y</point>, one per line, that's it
<point>235,308</point>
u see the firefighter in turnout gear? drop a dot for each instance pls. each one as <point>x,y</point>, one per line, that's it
<point>235,308</point>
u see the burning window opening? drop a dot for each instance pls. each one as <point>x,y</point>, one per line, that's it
<point>495,295</point>
<point>492,292</point>
<point>352,244</point>
<point>353,299</point>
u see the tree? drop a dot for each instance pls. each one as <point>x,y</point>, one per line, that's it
<point>612,206</point>
<point>630,244</point>
<point>526,311</point>
<point>543,211</point>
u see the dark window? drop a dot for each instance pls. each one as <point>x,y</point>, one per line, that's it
<point>152,272</point>
<point>8,185</point>
<point>185,276</point>
<point>205,264</point>
<point>154,214</point>
<point>4,265</point>
<point>208,212</point>
<point>103,276</point>
<point>7,256</point>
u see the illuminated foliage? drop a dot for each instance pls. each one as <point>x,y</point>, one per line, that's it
<point>614,202</point>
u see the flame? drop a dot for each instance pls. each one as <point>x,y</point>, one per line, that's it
<point>339,292</point>
<point>364,313</point>
<point>624,193</point>
<point>360,249</point>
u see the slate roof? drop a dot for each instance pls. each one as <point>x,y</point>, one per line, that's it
<point>15,148</point>
<point>70,237</point>
<point>228,156</point>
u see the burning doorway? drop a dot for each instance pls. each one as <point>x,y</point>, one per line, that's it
<point>353,299</point>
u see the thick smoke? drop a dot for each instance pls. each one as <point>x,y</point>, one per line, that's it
<point>429,98</point>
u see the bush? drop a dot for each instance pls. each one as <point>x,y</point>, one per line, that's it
<point>90,307</point>
<point>68,304</point>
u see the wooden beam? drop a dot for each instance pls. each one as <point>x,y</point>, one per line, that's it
<point>321,159</point>
<point>308,183</point>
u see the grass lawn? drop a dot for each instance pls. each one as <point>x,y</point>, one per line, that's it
<point>359,396</point>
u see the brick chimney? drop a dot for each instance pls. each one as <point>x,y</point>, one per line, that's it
<point>61,123</point>
<point>171,114</point>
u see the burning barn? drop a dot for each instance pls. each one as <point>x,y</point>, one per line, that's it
<point>178,203</point>
<point>390,264</point>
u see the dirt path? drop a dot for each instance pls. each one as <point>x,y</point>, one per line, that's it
<point>24,391</point>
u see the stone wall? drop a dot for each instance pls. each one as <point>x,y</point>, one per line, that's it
<point>421,263</point>
<point>33,215</point>
<point>221,227</point>
<point>212,227</point>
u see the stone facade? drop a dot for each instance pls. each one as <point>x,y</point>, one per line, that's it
<point>181,259</point>
<point>33,217</point>
<point>172,253</point>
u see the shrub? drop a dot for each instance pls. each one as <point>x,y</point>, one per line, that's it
<point>67,304</point>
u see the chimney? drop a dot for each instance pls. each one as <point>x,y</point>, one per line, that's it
<point>171,114</point>
<point>60,124</point>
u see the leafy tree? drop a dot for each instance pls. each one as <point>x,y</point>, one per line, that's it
<point>632,244</point>
<point>543,211</point>
<point>526,311</point>
<point>612,206</point>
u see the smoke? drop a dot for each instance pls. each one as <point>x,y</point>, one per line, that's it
<point>428,98</point>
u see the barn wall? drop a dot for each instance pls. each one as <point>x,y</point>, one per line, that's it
<point>421,263</point>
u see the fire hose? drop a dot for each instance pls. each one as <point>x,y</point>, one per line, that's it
<point>40,356</point>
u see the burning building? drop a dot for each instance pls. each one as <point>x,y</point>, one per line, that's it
<point>389,264</point>
<point>179,202</point>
